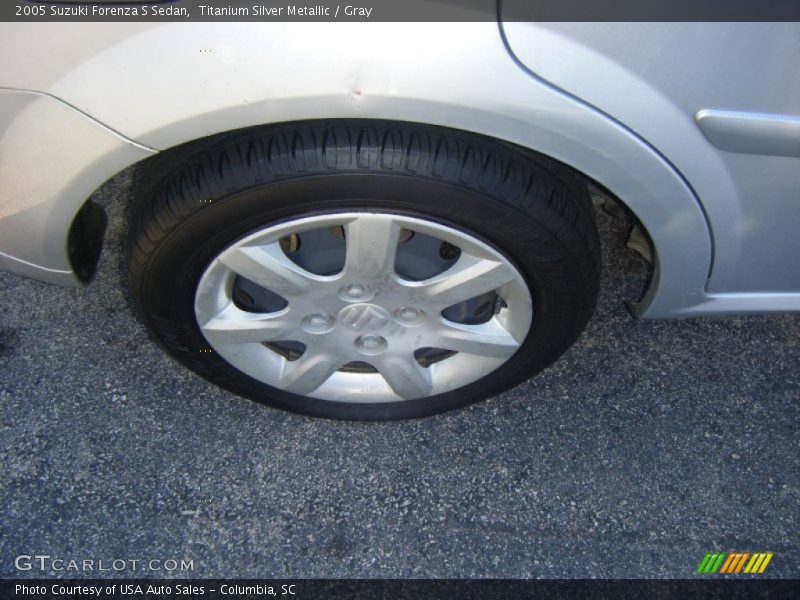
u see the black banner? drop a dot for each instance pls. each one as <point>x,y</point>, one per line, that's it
<point>398,10</point>
<point>394,589</point>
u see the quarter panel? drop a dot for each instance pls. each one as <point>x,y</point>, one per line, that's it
<point>165,84</point>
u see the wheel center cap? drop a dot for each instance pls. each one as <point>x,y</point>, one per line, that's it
<point>364,317</point>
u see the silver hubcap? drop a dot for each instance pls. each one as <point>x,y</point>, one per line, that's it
<point>366,314</point>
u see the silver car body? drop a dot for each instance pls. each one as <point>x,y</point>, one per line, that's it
<point>694,126</point>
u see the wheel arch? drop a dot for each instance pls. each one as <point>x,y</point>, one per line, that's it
<point>640,306</point>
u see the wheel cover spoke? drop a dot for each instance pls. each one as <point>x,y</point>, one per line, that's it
<point>270,268</point>
<point>364,314</point>
<point>235,326</point>
<point>470,277</point>
<point>371,248</point>
<point>488,339</point>
<point>405,376</point>
<point>307,373</point>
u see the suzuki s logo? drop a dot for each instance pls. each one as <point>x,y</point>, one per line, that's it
<point>364,317</point>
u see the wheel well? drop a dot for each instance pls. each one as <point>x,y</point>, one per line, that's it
<point>88,231</point>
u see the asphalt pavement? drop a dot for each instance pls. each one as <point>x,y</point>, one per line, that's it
<point>647,445</point>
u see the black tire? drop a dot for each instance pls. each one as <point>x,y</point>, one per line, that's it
<point>195,200</point>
